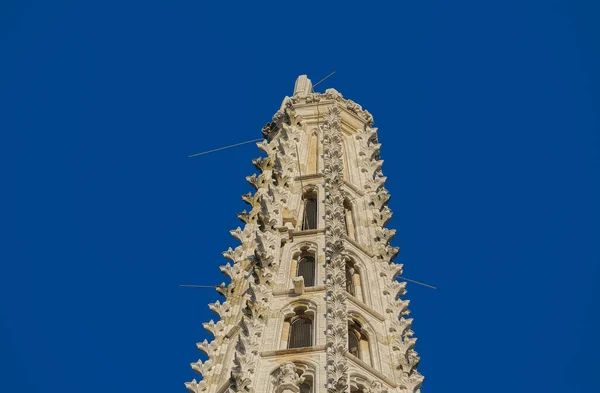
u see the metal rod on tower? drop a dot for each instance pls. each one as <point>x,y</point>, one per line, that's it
<point>224,147</point>
<point>243,143</point>
<point>417,282</point>
<point>323,79</point>
<point>197,286</point>
<point>216,286</point>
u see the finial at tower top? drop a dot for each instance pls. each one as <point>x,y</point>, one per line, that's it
<point>303,86</point>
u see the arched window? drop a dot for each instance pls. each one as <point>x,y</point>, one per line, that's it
<point>300,330</point>
<point>353,343</point>
<point>358,341</point>
<point>305,388</point>
<point>306,269</point>
<point>309,219</point>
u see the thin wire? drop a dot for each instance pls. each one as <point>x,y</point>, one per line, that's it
<point>301,185</point>
<point>323,79</point>
<point>197,286</point>
<point>213,286</point>
<point>254,140</point>
<point>416,282</point>
<point>223,148</point>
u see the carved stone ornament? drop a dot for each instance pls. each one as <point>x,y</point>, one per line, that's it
<point>287,379</point>
<point>337,316</point>
<point>263,272</point>
<point>377,387</point>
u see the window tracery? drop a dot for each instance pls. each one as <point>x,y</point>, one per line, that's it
<point>300,328</point>
<point>306,269</point>
<point>358,341</point>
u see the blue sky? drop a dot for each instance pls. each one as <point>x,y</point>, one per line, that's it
<point>489,122</point>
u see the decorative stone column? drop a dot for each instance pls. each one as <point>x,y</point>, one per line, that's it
<point>337,316</point>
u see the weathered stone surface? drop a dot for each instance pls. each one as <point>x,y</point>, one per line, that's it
<point>317,144</point>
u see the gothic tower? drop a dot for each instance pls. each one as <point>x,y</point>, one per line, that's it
<point>312,304</point>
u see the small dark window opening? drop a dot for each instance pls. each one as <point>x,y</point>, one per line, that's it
<point>300,332</point>
<point>305,388</point>
<point>358,341</point>
<point>309,221</point>
<point>353,342</point>
<point>306,269</point>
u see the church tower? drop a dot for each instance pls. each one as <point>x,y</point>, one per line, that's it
<point>312,304</point>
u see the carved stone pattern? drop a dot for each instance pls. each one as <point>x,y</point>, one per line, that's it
<point>272,193</point>
<point>267,203</point>
<point>253,265</point>
<point>335,254</point>
<point>402,342</point>
<point>247,302</point>
<point>287,376</point>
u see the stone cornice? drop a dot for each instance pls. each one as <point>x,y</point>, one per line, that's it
<point>312,110</point>
<point>364,307</point>
<point>306,233</point>
<point>290,292</point>
<point>358,246</point>
<point>370,369</point>
<point>354,188</point>
<point>293,351</point>
<point>309,177</point>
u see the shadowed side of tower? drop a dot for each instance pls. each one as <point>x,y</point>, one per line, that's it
<point>313,304</point>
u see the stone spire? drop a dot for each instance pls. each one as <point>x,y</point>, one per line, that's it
<point>312,303</point>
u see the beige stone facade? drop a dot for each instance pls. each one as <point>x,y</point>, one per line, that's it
<point>347,320</point>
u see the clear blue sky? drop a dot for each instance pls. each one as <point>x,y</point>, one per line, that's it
<point>489,118</point>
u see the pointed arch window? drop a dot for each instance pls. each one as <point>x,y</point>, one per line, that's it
<point>353,343</point>
<point>306,269</point>
<point>358,341</point>
<point>301,326</point>
<point>309,219</point>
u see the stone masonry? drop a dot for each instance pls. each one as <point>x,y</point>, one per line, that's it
<point>320,146</point>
